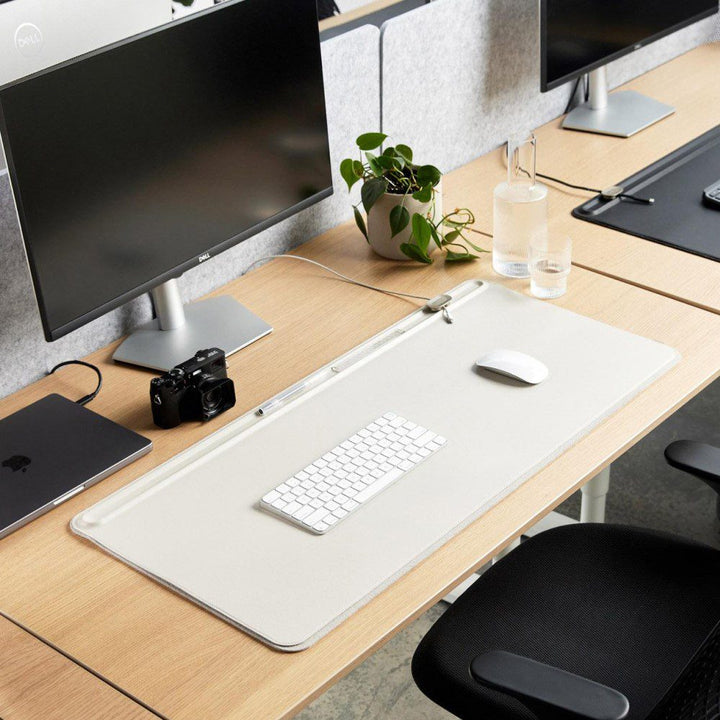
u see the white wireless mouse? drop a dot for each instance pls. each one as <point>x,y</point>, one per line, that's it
<point>514,364</point>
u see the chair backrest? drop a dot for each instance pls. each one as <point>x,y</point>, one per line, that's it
<point>696,693</point>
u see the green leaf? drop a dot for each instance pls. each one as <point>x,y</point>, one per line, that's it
<point>421,232</point>
<point>424,194</point>
<point>475,247</point>
<point>451,256</point>
<point>404,152</point>
<point>387,163</point>
<point>428,175</point>
<point>452,236</point>
<point>375,166</point>
<point>436,236</point>
<point>415,253</point>
<point>371,192</point>
<point>360,222</point>
<point>347,172</point>
<point>399,219</point>
<point>370,141</point>
<point>390,152</point>
<point>358,168</point>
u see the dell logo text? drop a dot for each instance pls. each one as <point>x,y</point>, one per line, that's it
<point>28,39</point>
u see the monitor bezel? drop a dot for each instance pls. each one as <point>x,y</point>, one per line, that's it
<point>546,86</point>
<point>55,333</point>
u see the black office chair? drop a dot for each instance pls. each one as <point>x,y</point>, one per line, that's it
<point>585,622</point>
<point>698,459</point>
<point>590,621</point>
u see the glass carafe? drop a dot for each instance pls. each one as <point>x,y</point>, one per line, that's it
<point>520,210</point>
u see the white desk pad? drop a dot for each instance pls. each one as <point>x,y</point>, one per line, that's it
<point>193,523</point>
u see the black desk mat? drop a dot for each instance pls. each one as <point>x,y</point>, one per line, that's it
<point>678,217</point>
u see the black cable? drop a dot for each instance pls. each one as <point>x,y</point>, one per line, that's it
<point>571,101</point>
<point>567,184</point>
<point>86,398</point>
<point>603,193</point>
<point>611,193</point>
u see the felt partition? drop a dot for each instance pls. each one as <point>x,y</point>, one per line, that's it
<point>459,76</point>
<point>351,69</point>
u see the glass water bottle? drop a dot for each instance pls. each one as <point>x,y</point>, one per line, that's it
<point>520,211</point>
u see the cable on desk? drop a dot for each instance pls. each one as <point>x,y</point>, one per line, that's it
<point>612,193</point>
<point>345,278</point>
<point>86,398</point>
<point>437,304</point>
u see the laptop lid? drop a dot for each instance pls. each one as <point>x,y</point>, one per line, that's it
<point>53,449</point>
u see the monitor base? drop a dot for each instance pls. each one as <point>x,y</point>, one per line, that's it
<point>220,322</point>
<point>626,113</point>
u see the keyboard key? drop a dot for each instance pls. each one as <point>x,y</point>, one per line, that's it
<point>271,497</point>
<point>426,438</point>
<point>303,512</point>
<point>376,487</point>
<point>317,516</point>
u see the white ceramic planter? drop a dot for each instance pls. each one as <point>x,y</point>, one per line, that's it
<point>378,224</point>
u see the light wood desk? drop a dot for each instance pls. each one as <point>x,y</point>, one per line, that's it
<point>187,664</point>
<point>690,84</point>
<point>36,681</point>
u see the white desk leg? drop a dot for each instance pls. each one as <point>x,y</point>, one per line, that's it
<point>592,509</point>
<point>594,493</point>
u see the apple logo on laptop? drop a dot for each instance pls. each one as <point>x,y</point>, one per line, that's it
<point>17,462</point>
<point>29,40</point>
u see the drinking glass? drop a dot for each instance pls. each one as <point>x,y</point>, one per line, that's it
<point>549,258</point>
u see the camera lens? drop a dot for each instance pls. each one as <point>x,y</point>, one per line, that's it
<point>216,396</point>
<point>212,399</point>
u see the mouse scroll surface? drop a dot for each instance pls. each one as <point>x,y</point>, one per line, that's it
<point>514,364</point>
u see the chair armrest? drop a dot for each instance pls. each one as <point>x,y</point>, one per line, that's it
<point>698,459</point>
<point>547,688</point>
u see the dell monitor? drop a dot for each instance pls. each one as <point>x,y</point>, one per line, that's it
<point>137,162</point>
<point>582,36</point>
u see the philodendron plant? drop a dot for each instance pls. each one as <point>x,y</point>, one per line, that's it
<point>392,171</point>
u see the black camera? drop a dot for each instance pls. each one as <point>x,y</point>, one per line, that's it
<point>198,389</point>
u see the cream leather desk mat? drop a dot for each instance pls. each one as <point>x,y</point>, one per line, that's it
<point>193,523</point>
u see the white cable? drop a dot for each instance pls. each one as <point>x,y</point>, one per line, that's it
<point>345,278</point>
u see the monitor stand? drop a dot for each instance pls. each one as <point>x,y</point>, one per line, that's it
<point>623,113</point>
<point>181,330</point>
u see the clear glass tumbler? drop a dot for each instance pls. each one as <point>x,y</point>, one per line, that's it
<point>550,259</point>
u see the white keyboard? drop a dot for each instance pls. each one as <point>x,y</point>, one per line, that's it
<point>326,491</point>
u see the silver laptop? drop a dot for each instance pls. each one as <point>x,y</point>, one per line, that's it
<point>35,34</point>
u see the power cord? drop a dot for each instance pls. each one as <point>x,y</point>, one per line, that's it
<point>436,304</point>
<point>86,398</point>
<point>611,193</point>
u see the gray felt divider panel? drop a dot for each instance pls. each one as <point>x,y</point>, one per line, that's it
<point>458,76</point>
<point>352,90</point>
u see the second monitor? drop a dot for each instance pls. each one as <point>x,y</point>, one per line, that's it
<point>582,36</point>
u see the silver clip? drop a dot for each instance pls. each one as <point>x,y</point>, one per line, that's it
<point>447,316</point>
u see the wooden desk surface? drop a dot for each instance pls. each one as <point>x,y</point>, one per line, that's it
<point>36,681</point>
<point>690,84</point>
<point>185,663</point>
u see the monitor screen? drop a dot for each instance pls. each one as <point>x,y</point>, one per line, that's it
<point>581,35</point>
<point>137,162</point>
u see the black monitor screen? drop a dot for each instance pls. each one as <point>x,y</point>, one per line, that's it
<point>137,162</point>
<point>581,35</point>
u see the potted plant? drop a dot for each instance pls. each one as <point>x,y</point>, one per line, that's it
<point>402,201</point>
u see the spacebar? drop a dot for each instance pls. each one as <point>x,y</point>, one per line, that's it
<point>378,485</point>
